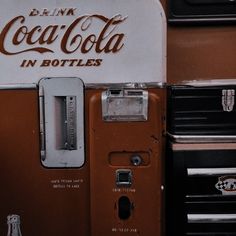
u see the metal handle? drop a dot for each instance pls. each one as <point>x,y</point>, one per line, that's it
<point>211,218</point>
<point>197,172</point>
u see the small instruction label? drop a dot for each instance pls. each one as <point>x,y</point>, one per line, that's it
<point>124,230</point>
<point>124,190</point>
<point>66,183</point>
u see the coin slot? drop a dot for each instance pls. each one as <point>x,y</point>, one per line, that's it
<point>115,92</point>
<point>134,93</point>
<point>62,122</point>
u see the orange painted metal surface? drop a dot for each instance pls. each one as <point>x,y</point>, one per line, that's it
<point>110,140</point>
<point>49,201</point>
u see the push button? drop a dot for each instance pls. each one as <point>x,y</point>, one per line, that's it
<point>136,160</point>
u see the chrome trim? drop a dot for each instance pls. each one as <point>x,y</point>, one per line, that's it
<point>208,83</point>
<point>203,146</point>
<point>125,85</point>
<point>17,86</point>
<point>42,128</point>
<point>228,99</point>
<point>205,196</point>
<point>202,138</point>
<point>195,172</point>
<point>124,105</point>
<point>62,122</point>
<point>211,218</point>
<point>71,134</point>
<point>202,20</point>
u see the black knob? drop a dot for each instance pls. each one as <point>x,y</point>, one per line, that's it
<point>136,160</point>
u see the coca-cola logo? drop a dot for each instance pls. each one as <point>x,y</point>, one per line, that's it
<point>73,37</point>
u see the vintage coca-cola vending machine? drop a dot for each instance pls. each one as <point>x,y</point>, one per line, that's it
<point>82,103</point>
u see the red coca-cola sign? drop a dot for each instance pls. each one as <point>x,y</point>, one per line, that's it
<point>72,38</point>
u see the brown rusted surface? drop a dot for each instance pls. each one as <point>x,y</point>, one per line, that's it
<point>200,52</point>
<point>107,138</point>
<point>28,189</point>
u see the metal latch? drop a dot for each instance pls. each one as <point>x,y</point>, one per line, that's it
<point>228,99</point>
<point>62,122</point>
<point>125,105</point>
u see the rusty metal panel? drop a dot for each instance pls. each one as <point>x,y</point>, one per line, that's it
<point>48,201</point>
<point>117,148</point>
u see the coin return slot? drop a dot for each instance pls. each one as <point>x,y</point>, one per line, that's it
<point>124,208</point>
<point>123,178</point>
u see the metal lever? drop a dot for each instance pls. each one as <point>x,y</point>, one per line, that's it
<point>62,122</point>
